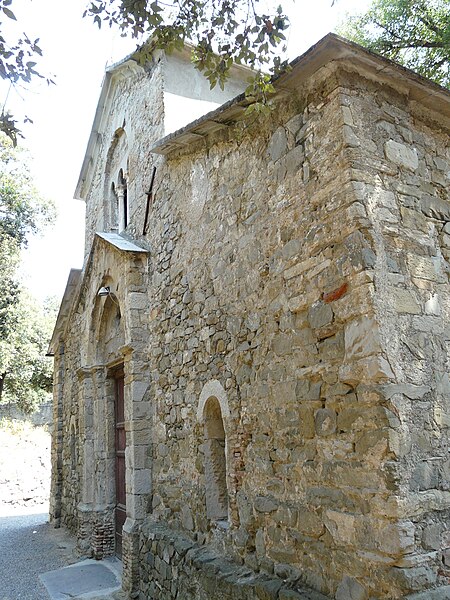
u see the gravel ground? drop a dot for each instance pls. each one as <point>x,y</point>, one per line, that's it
<point>30,546</point>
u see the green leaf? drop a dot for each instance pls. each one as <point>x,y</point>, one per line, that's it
<point>9,13</point>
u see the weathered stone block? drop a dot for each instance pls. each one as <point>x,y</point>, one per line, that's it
<point>401,155</point>
<point>278,144</point>
<point>395,538</point>
<point>424,477</point>
<point>342,527</point>
<point>424,267</point>
<point>265,504</point>
<point>268,590</point>
<point>310,523</point>
<point>375,369</point>
<point>419,578</point>
<point>351,589</point>
<point>373,444</point>
<point>431,536</point>
<point>351,418</point>
<point>295,124</point>
<point>442,593</point>
<point>361,338</point>
<point>434,207</point>
<point>320,315</point>
<point>308,390</point>
<point>325,420</point>
<point>414,392</point>
<point>306,423</point>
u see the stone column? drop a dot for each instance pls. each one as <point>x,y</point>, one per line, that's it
<point>96,508</point>
<point>86,429</point>
<point>122,207</point>
<point>137,458</point>
<point>103,538</point>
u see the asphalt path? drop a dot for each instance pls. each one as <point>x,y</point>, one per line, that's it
<point>29,547</point>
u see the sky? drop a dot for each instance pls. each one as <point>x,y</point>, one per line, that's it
<point>75,56</point>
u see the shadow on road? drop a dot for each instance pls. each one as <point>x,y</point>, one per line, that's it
<point>30,547</point>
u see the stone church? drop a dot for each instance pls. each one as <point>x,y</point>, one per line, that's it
<point>251,395</point>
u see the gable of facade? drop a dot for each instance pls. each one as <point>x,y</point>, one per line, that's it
<point>139,104</point>
<point>281,328</point>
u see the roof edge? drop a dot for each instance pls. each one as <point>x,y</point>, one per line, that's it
<point>330,48</point>
<point>120,243</point>
<point>72,284</point>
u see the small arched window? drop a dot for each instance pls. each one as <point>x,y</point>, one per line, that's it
<point>215,462</point>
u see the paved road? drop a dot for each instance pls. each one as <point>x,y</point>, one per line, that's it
<point>29,546</point>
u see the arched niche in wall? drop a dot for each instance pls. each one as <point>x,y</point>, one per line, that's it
<point>111,335</point>
<point>213,411</point>
<point>106,327</point>
<point>116,209</point>
<point>73,431</point>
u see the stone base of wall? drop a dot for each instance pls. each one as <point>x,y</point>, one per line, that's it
<point>103,539</point>
<point>442,593</point>
<point>95,533</point>
<point>173,566</point>
<point>130,559</point>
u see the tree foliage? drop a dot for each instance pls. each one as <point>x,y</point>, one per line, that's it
<point>415,33</point>
<point>25,371</point>
<point>222,32</point>
<point>24,326</point>
<point>18,56</point>
<point>22,211</point>
<point>18,60</point>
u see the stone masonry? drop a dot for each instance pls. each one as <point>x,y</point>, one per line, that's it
<point>279,302</point>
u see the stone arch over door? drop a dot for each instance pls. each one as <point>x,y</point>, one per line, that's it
<point>107,334</point>
<point>115,321</point>
<point>110,331</point>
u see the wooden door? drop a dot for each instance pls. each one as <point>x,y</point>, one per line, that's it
<point>120,443</point>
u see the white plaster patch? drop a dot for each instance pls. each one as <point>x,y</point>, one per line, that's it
<point>213,389</point>
<point>432,305</point>
<point>199,183</point>
<point>192,109</point>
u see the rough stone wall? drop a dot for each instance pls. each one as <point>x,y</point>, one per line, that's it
<point>400,162</point>
<point>43,415</point>
<point>70,471</point>
<point>296,274</point>
<point>137,107</point>
<point>260,281</point>
<point>55,506</point>
<point>95,343</point>
<point>175,567</point>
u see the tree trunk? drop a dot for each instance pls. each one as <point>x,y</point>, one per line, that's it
<point>2,382</point>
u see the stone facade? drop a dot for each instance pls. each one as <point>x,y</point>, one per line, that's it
<point>279,303</point>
